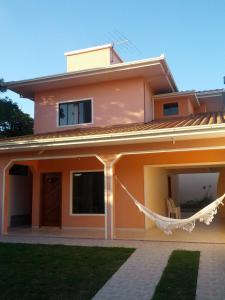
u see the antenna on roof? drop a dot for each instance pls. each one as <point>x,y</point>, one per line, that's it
<point>121,43</point>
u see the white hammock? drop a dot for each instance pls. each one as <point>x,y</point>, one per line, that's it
<point>205,215</point>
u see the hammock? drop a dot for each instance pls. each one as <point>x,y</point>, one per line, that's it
<point>205,215</point>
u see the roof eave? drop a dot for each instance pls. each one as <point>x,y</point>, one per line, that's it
<point>149,136</point>
<point>15,86</point>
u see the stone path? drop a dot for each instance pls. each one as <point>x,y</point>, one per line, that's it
<point>138,276</point>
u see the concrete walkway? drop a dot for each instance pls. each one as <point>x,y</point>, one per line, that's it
<point>138,276</point>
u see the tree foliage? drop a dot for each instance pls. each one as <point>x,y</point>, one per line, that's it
<point>13,121</point>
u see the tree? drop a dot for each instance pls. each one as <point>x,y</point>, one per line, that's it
<point>13,121</point>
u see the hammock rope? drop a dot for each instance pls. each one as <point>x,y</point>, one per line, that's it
<point>205,215</point>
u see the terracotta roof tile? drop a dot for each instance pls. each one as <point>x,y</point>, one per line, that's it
<point>197,120</point>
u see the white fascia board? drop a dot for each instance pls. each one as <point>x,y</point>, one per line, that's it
<point>88,72</point>
<point>88,49</point>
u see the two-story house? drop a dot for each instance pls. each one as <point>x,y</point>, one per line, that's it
<point>105,118</point>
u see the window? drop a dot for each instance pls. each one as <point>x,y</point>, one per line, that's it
<point>77,112</point>
<point>88,193</point>
<point>170,109</point>
<point>19,170</point>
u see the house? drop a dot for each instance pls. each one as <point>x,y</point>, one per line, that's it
<point>102,119</point>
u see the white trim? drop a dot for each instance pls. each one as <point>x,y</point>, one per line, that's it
<point>174,94</point>
<point>88,49</point>
<point>106,198</point>
<point>202,97</point>
<point>204,165</point>
<point>71,194</point>
<point>90,72</point>
<point>113,200</point>
<point>75,124</point>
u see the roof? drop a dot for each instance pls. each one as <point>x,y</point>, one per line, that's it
<point>155,70</point>
<point>152,129</point>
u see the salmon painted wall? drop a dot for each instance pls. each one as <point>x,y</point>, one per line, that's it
<point>115,102</point>
<point>156,191</point>
<point>185,107</point>
<point>65,166</point>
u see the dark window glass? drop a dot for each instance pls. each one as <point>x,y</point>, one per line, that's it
<point>75,112</point>
<point>19,170</point>
<point>88,193</point>
<point>170,109</point>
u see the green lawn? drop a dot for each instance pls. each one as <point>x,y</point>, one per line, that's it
<point>55,271</point>
<point>179,279</point>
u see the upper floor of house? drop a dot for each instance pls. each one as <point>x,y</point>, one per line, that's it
<point>99,89</point>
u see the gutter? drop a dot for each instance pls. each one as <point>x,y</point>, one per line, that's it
<point>118,139</point>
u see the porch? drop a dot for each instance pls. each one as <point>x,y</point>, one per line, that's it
<point>120,219</point>
<point>201,234</point>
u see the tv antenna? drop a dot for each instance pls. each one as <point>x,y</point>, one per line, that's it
<point>122,44</point>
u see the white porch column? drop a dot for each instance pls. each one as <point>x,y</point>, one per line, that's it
<point>109,200</point>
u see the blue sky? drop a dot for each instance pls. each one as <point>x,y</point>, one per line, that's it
<point>191,34</point>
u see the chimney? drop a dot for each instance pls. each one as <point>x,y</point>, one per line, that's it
<point>92,58</point>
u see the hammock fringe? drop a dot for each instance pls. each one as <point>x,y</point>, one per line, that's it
<point>167,225</point>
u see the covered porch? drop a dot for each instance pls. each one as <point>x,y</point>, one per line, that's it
<point>196,177</point>
<point>144,173</point>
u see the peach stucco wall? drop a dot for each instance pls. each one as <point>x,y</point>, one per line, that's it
<point>65,166</point>
<point>88,60</point>
<point>156,191</point>
<point>185,107</point>
<point>115,102</point>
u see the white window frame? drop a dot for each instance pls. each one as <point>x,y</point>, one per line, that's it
<point>173,102</point>
<point>71,193</point>
<point>71,101</point>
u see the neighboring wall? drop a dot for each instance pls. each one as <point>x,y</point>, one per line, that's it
<point>115,102</point>
<point>221,190</point>
<point>191,186</point>
<point>156,191</point>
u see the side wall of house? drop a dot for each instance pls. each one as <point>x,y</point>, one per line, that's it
<point>115,102</point>
<point>185,107</point>
<point>156,191</point>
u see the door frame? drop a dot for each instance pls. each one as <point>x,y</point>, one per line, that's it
<point>41,199</point>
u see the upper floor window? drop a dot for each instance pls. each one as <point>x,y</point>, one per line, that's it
<point>77,112</point>
<point>170,109</point>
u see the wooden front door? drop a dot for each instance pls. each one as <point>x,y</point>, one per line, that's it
<point>51,199</point>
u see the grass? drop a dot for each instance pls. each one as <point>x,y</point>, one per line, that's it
<point>179,279</point>
<point>55,271</point>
